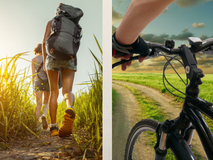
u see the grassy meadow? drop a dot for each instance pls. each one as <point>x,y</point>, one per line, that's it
<point>149,108</point>
<point>154,80</point>
<point>17,107</point>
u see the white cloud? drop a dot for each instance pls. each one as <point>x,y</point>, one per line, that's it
<point>116,17</point>
<point>199,25</point>
<point>189,3</point>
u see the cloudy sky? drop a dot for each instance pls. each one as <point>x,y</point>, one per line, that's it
<point>182,19</point>
<point>23,24</point>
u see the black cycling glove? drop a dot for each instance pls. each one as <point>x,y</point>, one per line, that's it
<point>138,47</point>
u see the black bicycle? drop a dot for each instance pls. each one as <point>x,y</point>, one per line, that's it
<point>176,134</point>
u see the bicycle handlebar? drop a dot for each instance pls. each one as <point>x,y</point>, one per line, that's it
<point>177,50</point>
<point>164,49</point>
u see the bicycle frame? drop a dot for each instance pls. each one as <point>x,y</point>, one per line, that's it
<point>190,115</point>
<point>192,106</point>
<point>202,129</point>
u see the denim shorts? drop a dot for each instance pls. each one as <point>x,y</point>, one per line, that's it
<point>56,64</point>
<point>41,86</point>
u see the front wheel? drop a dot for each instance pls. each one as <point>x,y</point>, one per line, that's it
<point>142,139</point>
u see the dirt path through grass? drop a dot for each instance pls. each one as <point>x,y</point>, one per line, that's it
<point>49,148</point>
<point>123,119</point>
<point>171,109</point>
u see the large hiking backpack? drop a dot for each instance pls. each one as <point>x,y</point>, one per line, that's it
<point>63,42</point>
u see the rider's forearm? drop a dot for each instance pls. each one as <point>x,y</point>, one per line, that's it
<point>139,14</point>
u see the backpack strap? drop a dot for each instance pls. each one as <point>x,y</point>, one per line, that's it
<point>39,68</point>
<point>54,23</point>
<point>41,65</point>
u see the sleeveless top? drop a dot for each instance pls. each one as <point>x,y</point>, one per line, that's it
<point>42,74</point>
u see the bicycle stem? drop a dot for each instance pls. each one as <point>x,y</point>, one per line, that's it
<point>194,74</point>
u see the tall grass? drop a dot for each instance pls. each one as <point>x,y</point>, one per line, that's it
<point>88,107</point>
<point>16,105</point>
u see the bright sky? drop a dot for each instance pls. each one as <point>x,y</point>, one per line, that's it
<point>23,24</point>
<point>180,20</point>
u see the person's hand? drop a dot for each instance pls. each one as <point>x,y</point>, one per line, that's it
<point>127,57</point>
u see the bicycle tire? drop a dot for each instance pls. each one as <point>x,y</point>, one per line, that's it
<point>179,147</point>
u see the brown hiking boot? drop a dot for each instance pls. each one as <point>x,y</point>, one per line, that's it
<point>66,129</point>
<point>54,131</point>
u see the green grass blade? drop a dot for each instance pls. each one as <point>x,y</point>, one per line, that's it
<point>98,45</point>
<point>98,61</point>
<point>31,131</point>
<point>6,126</point>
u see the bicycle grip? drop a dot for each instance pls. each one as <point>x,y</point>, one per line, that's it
<point>116,54</point>
<point>124,61</point>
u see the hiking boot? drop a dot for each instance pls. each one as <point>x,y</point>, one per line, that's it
<point>44,122</point>
<point>54,131</point>
<point>138,47</point>
<point>66,129</point>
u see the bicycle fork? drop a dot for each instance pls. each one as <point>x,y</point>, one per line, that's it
<point>189,136</point>
<point>166,128</point>
<point>161,150</point>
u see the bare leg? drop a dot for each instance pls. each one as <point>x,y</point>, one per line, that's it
<point>67,80</point>
<point>45,103</point>
<point>53,82</point>
<point>139,14</point>
<point>38,105</point>
<point>45,109</point>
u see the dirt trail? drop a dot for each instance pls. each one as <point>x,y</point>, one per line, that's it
<point>50,148</point>
<point>123,119</point>
<point>171,109</point>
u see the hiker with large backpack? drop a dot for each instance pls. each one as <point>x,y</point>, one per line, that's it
<point>40,86</point>
<point>60,45</point>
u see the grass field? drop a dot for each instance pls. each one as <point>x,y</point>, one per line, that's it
<point>115,98</point>
<point>154,80</point>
